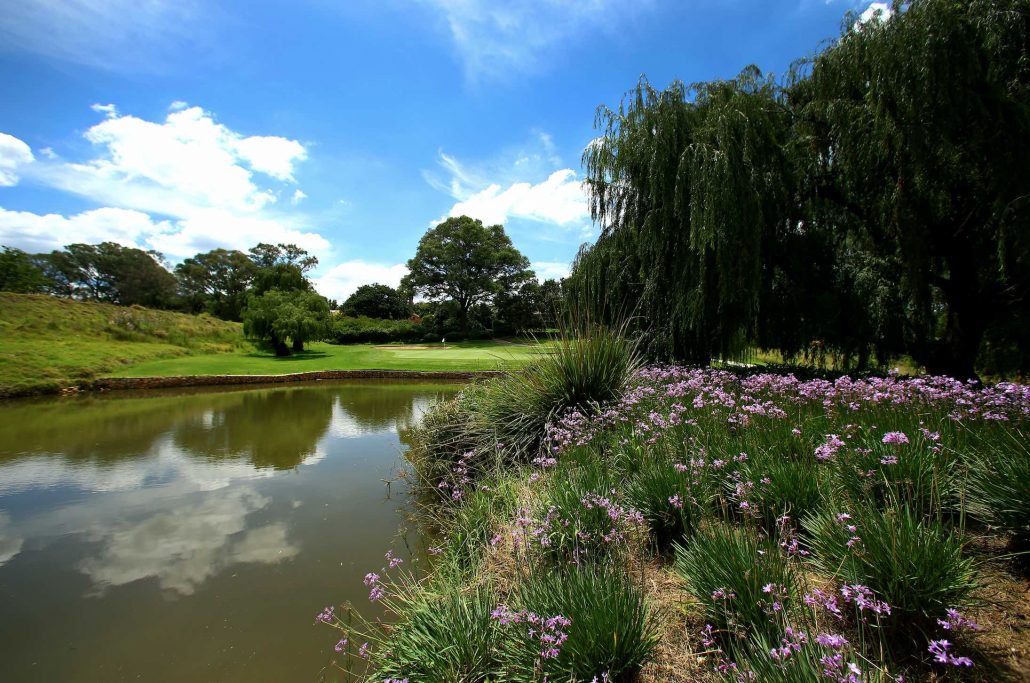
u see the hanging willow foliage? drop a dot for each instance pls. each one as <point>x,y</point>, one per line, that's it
<point>877,200</point>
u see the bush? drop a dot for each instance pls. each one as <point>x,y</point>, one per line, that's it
<point>916,566</point>
<point>361,330</point>
<point>784,486</point>
<point>610,630</point>
<point>737,577</point>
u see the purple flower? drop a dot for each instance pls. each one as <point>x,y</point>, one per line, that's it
<point>340,645</point>
<point>897,438</point>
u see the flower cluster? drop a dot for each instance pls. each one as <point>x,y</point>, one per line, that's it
<point>547,632</point>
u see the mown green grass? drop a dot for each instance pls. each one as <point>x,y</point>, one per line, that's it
<point>48,343</point>
<point>461,356</point>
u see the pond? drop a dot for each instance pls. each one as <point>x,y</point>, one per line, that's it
<point>194,534</point>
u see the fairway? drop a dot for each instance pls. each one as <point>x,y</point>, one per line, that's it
<point>478,355</point>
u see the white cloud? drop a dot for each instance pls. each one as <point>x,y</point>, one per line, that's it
<point>108,110</point>
<point>877,11</point>
<point>14,153</point>
<point>182,185</point>
<point>559,199</point>
<point>341,281</point>
<point>494,39</point>
<point>38,233</point>
<point>271,155</point>
<point>502,190</point>
<point>548,270</point>
<point>178,105</point>
<point>298,197</point>
<point>125,35</point>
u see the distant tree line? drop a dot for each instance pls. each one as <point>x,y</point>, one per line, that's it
<point>876,202</point>
<point>466,280</point>
<point>267,288</point>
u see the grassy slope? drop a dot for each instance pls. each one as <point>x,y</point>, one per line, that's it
<point>483,355</point>
<point>47,342</point>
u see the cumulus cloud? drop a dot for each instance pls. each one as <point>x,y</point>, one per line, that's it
<point>341,281</point>
<point>181,185</point>
<point>10,541</point>
<point>559,199</point>
<point>14,154</point>
<point>502,190</point>
<point>38,233</point>
<point>298,197</point>
<point>495,39</point>
<point>876,12</point>
<point>183,548</point>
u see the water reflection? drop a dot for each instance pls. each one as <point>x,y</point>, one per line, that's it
<point>217,502</point>
<point>182,548</point>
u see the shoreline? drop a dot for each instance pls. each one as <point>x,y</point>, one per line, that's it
<point>102,384</point>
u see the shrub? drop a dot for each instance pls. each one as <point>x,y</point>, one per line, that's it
<point>784,486</point>
<point>741,580</point>
<point>610,630</point>
<point>362,330</point>
<point>916,566</point>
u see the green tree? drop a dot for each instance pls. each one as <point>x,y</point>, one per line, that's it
<point>279,316</point>
<point>875,200</point>
<point>217,282</point>
<point>19,273</point>
<point>463,261</point>
<point>919,133</point>
<point>377,301</point>
<point>112,273</point>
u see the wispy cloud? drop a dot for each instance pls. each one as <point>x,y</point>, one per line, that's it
<point>120,35</point>
<point>494,39</point>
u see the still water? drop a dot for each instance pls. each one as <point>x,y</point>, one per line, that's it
<point>193,535</point>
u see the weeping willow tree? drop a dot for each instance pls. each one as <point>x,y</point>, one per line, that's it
<point>876,201</point>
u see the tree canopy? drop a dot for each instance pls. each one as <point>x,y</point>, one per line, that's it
<point>277,316</point>
<point>463,261</point>
<point>377,301</point>
<point>19,273</point>
<point>872,202</point>
<point>109,272</point>
<point>217,282</point>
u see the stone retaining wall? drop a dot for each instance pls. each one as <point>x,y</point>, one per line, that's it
<point>110,383</point>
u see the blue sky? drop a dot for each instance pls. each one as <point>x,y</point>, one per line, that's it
<point>347,127</point>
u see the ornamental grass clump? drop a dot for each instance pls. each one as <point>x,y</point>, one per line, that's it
<point>916,565</point>
<point>896,468</point>
<point>583,371</point>
<point>449,637</point>
<point>999,485</point>
<point>673,497</point>
<point>581,516</point>
<point>606,627</point>
<point>742,581</point>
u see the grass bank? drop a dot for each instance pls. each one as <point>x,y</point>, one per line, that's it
<point>461,356</point>
<point>702,525</point>
<point>48,343</point>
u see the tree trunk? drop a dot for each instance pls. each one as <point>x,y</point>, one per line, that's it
<point>281,349</point>
<point>968,316</point>
<point>298,345</point>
